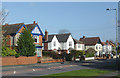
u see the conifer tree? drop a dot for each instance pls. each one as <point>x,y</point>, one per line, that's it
<point>26,46</point>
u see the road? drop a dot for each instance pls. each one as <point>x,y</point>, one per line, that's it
<point>50,68</point>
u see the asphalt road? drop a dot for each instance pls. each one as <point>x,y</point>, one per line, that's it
<point>50,68</point>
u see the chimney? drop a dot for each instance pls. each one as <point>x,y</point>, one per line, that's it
<point>83,37</point>
<point>6,24</point>
<point>107,41</point>
<point>46,35</point>
<point>33,22</point>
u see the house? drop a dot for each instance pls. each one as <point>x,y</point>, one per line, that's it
<point>107,47</point>
<point>37,35</point>
<point>58,42</point>
<point>78,45</point>
<point>12,31</point>
<point>92,42</point>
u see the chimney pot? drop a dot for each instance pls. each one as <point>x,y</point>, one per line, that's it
<point>107,41</point>
<point>33,22</point>
<point>46,35</point>
<point>83,36</point>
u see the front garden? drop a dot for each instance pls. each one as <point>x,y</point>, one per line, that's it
<point>23,54</point>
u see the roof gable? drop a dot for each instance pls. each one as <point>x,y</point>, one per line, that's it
<point>60,37</point>
<point>35,29</point>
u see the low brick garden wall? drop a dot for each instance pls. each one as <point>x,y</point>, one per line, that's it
<point>22,60</point>
<point>52,61</point>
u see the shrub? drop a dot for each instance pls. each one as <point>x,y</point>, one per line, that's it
<point>17,55</point>
<point>8,52</point>
<point>90,52</point>
<point>68,57</point>
<point>76,53</point>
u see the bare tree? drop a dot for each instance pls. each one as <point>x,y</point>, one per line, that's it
<point>63,31</point>
<point>3,14</point>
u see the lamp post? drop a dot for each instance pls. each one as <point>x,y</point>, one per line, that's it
<point>116,28</point>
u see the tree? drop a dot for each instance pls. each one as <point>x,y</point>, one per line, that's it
<point>5,40</point>
<point>3,14</point>
<point>26,46</point>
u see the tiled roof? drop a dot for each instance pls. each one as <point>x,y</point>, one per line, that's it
<point>60,37</point>
<point>63,37</point>
<point>77,41</point>
<point>90,40</point>
<point>11,29</point>
<point>31,26</point>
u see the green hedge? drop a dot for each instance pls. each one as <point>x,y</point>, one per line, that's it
<point>8,52</point>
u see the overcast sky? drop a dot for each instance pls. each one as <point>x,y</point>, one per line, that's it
<point>88,19</point>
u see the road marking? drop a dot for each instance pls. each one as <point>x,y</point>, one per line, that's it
<point>14,72</point>
<point>33,69</point>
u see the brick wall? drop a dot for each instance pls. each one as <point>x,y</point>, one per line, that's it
<point>51,61</point>
<point>22,60</point>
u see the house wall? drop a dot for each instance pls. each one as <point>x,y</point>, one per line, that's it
<point>51,44</point>
<point>98,47</point>
<point>79,48</point>
<point>107,48</point>
<point>36,30</point>
<point>70,39</point>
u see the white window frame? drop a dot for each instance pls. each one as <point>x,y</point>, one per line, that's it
<point>36,37</point>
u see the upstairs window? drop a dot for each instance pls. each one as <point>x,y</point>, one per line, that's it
<point>70,43</point>
<point>36,38</point>
<point>54,43</point>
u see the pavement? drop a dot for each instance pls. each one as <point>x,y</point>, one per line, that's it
<point>51,68</point>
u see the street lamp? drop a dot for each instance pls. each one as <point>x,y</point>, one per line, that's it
<point>116,28</point>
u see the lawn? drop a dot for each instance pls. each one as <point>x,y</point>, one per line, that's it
<point>83,72</point>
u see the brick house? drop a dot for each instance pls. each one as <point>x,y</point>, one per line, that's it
<point>12,31</point>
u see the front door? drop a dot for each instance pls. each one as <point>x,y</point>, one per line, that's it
<point>38,51</point>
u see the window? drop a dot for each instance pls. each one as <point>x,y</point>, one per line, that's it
<point>79,46</point>
<point>70,43</point>
<point>54,43</point>
<point>36,38</point>
<point>96,47</point>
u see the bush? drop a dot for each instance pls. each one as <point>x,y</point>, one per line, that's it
<point>68,57</point>
<point>17,55</point>
<point>8,52</point>
<point>90,52</point>
<point>76,53</point>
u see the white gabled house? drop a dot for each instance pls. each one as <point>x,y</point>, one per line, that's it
<point>92,42</point>
<point>58,42</point>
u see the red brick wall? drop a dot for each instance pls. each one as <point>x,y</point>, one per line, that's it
<point>45,46</point>
<point>22,60</point>
<point>54,60</point>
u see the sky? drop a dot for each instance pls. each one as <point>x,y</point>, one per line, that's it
<point>88,19</point>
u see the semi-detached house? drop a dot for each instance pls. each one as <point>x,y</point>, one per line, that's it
<point>61,43</point>
<point>12,31</point>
